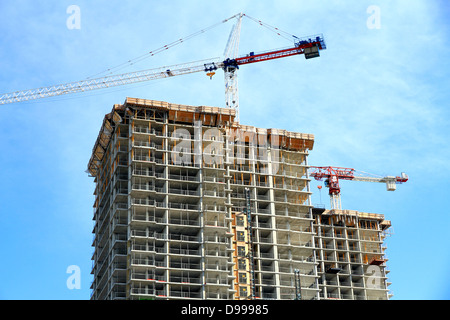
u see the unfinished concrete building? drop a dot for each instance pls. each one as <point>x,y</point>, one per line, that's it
<point>174,186</point>
<point>350,254</point>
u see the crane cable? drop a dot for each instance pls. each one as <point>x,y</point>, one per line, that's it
<point>279,32</point>
<point>276,30</point>
<point>160,49</point>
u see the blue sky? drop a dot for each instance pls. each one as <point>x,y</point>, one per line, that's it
<point>376,100</point>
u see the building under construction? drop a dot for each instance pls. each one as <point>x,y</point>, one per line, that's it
<point>191,204</point>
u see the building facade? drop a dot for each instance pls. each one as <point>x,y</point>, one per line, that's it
<point>174,188</point>
<point>351,255</point>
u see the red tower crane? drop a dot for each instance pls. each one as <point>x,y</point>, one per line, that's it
<point>309,46</point>
<point>332,175</point>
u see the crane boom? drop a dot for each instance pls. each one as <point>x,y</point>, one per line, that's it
<point>104,82</point>
<point>332,175</point>
<point>308,46</point>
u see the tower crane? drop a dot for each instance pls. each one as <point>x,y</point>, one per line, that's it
<point>332,175</point>
<point>309,46</point>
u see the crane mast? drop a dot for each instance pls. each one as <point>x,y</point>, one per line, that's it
<point>332,175</point>
<point>231,82</point>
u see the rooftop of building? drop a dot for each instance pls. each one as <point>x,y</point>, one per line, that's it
<point>212,116</point>
<point>348,214</point>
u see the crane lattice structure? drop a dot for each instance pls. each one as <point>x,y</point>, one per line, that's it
<point>332,175</point>
<point>309,46</point>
